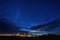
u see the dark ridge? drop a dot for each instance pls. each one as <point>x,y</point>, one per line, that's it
<point>48,26</point>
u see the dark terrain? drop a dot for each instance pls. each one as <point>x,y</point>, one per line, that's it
<point>43,37</point>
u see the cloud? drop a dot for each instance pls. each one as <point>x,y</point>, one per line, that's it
<point>8,26</point>
<point>48,26</point>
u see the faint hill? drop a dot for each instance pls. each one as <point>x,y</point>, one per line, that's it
<point>48,26</point>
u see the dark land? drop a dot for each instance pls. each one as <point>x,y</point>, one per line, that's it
<point>43,37</point>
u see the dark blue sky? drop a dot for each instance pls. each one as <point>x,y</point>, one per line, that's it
<point>27,13</point>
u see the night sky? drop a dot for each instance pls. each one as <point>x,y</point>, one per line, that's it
<point>27,13</point>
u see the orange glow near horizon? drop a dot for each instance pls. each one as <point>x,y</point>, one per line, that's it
<point>18,34</point>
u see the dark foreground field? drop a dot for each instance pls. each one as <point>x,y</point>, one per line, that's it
<point>44,37</point>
